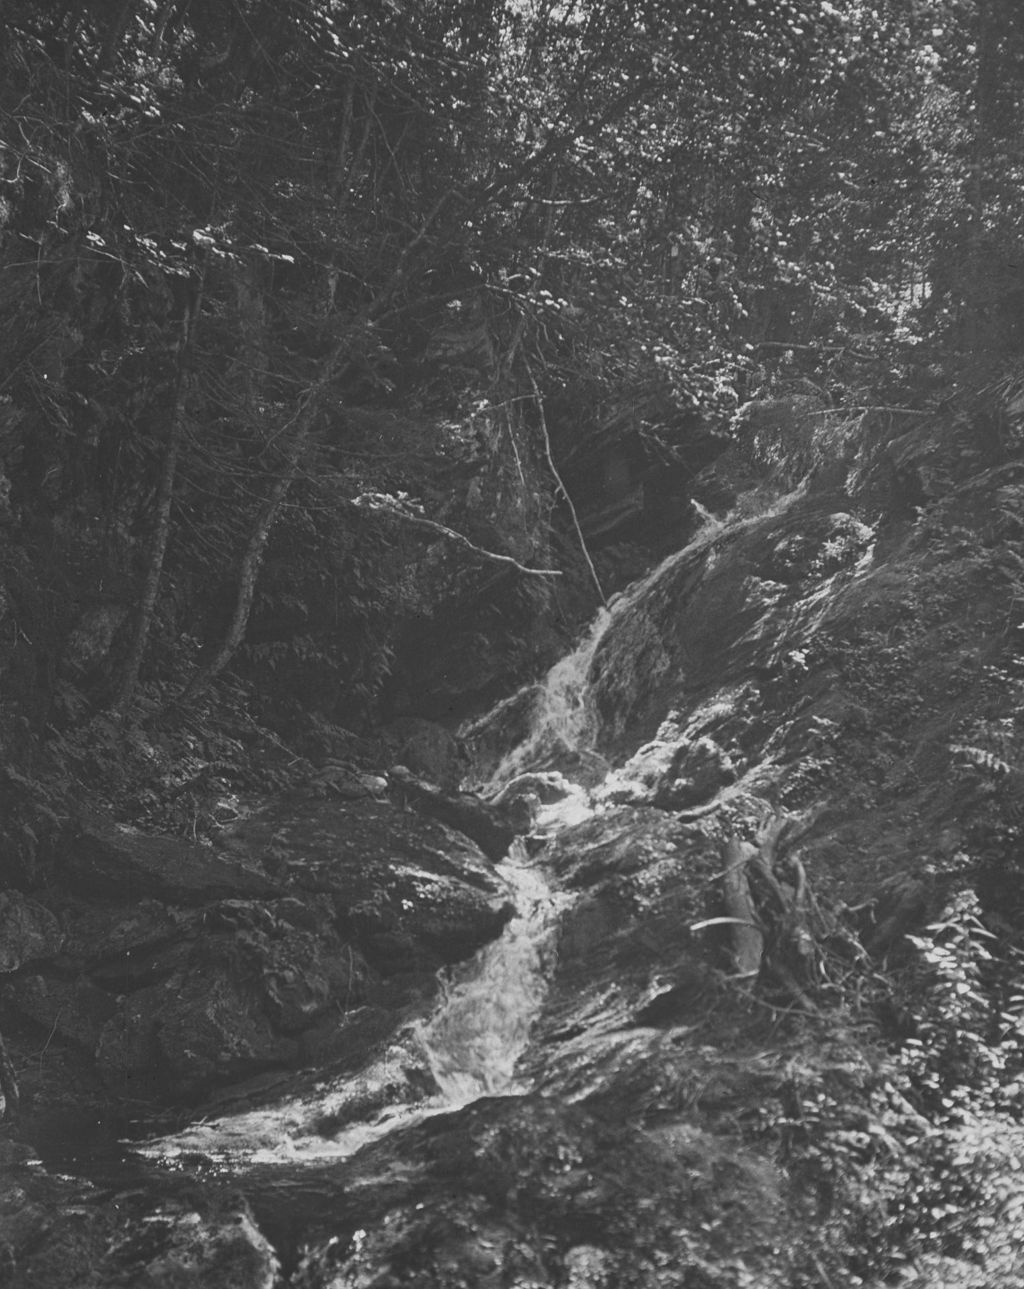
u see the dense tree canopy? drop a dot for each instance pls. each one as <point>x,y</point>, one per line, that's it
<point>313,309</point>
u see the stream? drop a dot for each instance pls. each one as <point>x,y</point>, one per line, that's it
<point>466,1049</point>
<point>583,1101</point>
<point>472,1044</point>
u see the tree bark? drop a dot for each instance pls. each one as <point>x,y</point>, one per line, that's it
<point>8,1084</point>
<point>129,675</point>
<point>252,557</point>
<point>304,421</point>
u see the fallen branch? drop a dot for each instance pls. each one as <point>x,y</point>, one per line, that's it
<point>419,521</point>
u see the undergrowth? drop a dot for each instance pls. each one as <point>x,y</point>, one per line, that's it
<point>908,1156</point>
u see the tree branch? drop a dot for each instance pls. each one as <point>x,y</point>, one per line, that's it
<point>431,525</point>
<point>561,486</point>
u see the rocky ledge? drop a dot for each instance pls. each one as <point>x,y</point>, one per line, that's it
<point>173,969</point>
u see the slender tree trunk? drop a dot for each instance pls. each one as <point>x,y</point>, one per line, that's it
<point>129,675</point>
<point>252,556</point>
<point>304,421</point>
<point>8,1085</point>
<point>986,75</point>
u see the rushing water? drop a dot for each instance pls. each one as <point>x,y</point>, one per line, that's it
<point>468,1048</point>
<point>564,726</point>
<point>470,1045</point>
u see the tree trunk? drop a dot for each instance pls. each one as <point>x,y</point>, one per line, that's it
<point>8,1085</point>
<point>129,676</point>
<point>252,560</point>
<point>304,420</point>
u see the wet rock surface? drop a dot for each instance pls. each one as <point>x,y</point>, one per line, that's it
<point>530,1191</point>
<point>789,689</point>
<point>177,970</point>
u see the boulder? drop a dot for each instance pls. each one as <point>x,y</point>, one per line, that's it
<point>410,892</point>
<point>56,1232</point>
<point>427,749</point>
<point>697,771</point>
<point>28,931</point>
<point>180,1247</point>
<point>178,969</point>
<point>121,863</point>
<point>251,983</point>
<point>493,827</point>
<point>74,1010</point>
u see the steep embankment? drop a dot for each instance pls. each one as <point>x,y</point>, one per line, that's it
<point>783,750</point>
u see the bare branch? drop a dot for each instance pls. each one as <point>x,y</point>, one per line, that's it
<point>420,521</point>
<point>561,486</point>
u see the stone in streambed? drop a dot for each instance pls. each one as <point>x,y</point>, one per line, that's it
<point>492,826</point>
<point>252,984</point>
<point>180,970</point>
<point>65,1235</point>
<point>410,892</point>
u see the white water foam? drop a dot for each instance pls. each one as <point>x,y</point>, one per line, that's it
<point>470,1047</point>
<point>564,720</point>
<point>471,1044</point>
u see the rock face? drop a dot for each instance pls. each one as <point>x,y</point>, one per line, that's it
<point>177,969</point>
<point>27,931</point>
<point>801,705</point>
<point>530,1191</point>
<point>60,1234</point>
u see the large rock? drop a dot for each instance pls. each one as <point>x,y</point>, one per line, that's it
<point>179,969</point>
<point>427,749</point>
<point>534,1191</point>
<point>413,894</point>
<point>251,984</point>
<point>75,1010</point>
<point>61,1234</point>
<point>121,863</point>
<point>493,827</point>
<point>28,931</point>
<point>643,880</point>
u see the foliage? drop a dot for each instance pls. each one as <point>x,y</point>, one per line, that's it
<point>263,259</point>
<point>910,1159</point>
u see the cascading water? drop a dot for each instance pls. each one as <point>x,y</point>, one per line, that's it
<point>562,719</point>
<point>468,1047</point>
<point>474,1040</point>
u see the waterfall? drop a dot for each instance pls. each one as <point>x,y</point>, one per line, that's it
<point>564,728</point>
<point>564,724</point>
<point>473,1041</point>
<point>563,720</point>
<point>468,1047</point>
